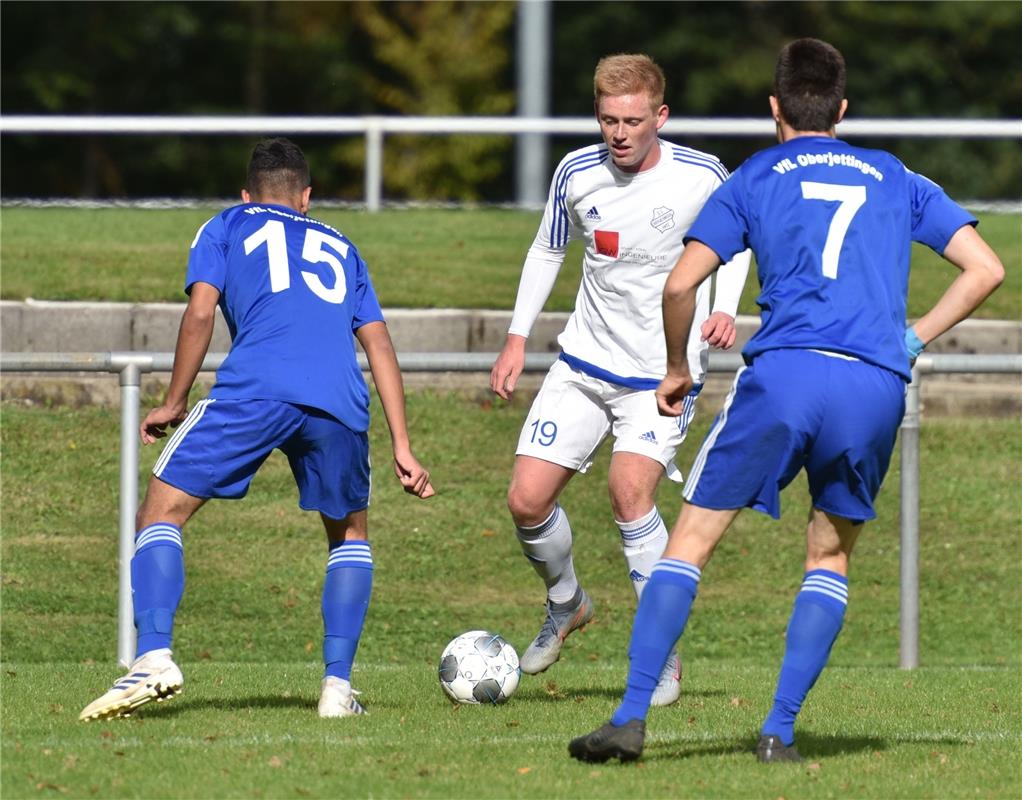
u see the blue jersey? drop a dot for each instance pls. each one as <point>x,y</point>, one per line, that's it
<point>831,226</point>
<point>292,290</point>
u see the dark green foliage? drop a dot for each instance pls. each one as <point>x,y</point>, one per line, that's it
<point>906,59</point>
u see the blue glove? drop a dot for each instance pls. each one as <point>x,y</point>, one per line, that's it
<point>913,343</point>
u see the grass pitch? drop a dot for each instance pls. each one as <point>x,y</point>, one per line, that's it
<point>418,258</point>
<point>249,631</point>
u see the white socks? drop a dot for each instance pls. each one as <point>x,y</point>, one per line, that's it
<point>548,548</point>
<point>643,541</point>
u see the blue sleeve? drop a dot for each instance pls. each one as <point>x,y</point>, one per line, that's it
<point>367,307</point>
<point>723,224</point>
<point>935,216</point>
<point>207,259</point>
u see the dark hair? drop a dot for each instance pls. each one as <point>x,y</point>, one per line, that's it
<point>277,168</point>
<point>809,84</point>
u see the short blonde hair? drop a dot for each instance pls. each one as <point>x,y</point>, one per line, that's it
<point>627,73</point>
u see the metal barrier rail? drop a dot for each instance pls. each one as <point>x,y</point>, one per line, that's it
<point>374,128</point>
<point>131,365</point>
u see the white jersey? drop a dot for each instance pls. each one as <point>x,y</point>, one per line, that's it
<point>632,225</point>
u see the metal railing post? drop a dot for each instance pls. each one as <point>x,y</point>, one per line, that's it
<point>130,382</point>
<point>909,550</point>
<point>374,165</point>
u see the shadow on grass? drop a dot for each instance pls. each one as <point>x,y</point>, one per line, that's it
<point>555,693</point>
<point>812,747</point>
<point>186,705</point>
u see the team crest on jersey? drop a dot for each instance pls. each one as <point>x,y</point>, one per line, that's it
<point>606,243</point>
<point>593,214</point>
<point>663,219</point>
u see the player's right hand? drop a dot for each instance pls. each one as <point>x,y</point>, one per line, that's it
<point>154,426</point>
<point>507,367</point>
<point>671,393</point>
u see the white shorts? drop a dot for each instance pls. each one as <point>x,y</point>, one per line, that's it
<point>574,412</point>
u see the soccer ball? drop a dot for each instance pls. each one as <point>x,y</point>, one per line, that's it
<point>479,667</point>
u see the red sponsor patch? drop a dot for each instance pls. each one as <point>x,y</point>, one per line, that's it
<point>606,243</point>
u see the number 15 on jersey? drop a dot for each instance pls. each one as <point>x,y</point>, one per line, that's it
<point>273,235</point>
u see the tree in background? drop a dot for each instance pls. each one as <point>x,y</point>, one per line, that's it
<point>906,59</point>
<point>441,58</point>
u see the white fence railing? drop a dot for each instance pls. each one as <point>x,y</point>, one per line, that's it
<point>131,366</point>
<point>375,128</point>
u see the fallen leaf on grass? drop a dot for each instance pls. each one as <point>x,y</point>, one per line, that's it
<point>524,770</point>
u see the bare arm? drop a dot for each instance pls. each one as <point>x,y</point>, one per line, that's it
<point>193,339</point>
<point>375,340</point>
<point>981,273</point>
<point>697,262</point>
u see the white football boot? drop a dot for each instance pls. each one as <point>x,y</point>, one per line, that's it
<point>153,676</point>
<point>337,699</point>
<point>668,688</point>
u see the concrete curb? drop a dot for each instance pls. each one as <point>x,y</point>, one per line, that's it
<point>35,326</point>
<point>66,327</point>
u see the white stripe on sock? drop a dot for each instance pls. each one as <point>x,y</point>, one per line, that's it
<point>678,568</point>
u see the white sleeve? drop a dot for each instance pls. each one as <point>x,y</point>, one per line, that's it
<point>729,283</point>
<point>544,258</point>
<point>538,275</point>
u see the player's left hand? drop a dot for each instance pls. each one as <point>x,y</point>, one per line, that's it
<point>719,330</point>
<point>414,478</point>
<point>671,393</point>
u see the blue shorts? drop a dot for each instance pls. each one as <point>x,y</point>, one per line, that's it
<point>216,451</point>
<point>790,409</point>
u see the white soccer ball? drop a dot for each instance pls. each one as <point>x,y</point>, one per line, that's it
<point>479,667</point>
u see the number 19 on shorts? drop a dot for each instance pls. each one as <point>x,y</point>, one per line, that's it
<point>543,432</point>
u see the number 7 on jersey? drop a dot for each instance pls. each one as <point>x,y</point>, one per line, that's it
<point>851,199</point>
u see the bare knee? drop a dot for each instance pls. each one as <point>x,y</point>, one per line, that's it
<point>829,541</point>
<point>528,510</point>
<point>632,485</point>
<point>352,528</point>
<point>630,503</point>
<point>166,503</point>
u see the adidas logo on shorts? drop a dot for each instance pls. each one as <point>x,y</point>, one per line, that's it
<point>650,437</point>
<point>592,213</point>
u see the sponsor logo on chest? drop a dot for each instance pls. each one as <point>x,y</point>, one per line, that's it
<point>607,242</point>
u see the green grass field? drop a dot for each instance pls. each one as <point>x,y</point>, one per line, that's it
<point>418,258</point>
<point>249,630</point>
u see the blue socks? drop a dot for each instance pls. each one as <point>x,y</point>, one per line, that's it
<point>659,622</point>
<point>346,591</point>
<point>815,623</point>
<point>157,583</point>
